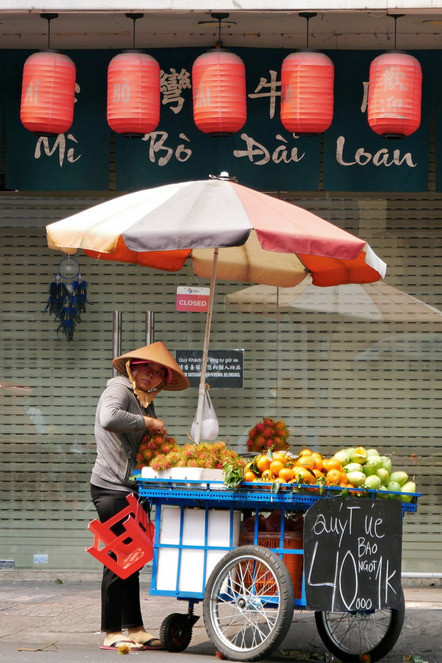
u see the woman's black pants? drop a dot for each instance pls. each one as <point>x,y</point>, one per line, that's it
<point>120,599</point>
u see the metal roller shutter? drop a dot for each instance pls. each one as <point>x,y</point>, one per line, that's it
<point>336,381</point>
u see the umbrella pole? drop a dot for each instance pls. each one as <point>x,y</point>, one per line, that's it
<point>202,384</point>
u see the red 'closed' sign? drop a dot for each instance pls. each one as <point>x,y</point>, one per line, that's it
<point>192,299</point>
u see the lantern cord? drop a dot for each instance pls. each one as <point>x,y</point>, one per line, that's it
<point>307,16</point>
<point>134,18</point>
<point>219,18</point>
<point>396,16</point>
<point>48,18</point>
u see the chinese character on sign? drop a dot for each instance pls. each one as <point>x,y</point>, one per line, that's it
<point>268,88</point>
<point>172,84</point>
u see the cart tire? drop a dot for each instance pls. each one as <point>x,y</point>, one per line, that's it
<point>176,632</point>
<point>348,635</point>
<point>248,603</point>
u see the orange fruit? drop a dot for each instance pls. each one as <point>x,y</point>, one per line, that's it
<point>286,473</point>
<point>344,478</point>
<point>249,476</point>
<point>303,475</point>
<point>319,474</point>
<point>318,460</point>
<point>331,464</point>
<point>267,476</point>
<point>275,467</point>
<point>280,455</point>
<point>305,452</point>
<point>263,463</point>
<point>305,461</point>
<point>333,477</point>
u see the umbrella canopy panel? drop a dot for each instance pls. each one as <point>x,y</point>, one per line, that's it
<point>163,226</point>
<point>371,301</point>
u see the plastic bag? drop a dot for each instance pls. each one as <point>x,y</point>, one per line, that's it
<point>209,421</point>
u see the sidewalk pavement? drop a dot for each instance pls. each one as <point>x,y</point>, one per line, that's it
<point>46,619</point>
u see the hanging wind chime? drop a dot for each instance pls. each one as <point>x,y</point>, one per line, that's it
<point>67,297</point>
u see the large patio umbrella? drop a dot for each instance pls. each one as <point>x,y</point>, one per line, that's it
<point>228,231</point>
<point>365,301</point>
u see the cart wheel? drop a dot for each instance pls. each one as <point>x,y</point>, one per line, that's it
<point>348,635</point>
<point>248,603</point>
<point>176,631</point>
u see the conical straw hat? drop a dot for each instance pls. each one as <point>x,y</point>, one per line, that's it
<point>158,353</point>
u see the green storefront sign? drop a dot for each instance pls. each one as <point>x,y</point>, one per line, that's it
<point>263,155</point>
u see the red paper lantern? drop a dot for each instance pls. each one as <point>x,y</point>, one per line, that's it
<point>394,95</point>
<point>48,93</point>
<point>219,92</point>
<point>307,97</point>
<point>133,94</point>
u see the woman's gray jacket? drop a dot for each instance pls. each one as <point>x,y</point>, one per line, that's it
<point>119,428</point>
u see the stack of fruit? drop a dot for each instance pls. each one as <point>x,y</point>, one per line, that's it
<point>268,434</point>
<point>348,469</point>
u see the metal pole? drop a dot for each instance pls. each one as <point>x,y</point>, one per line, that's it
<point>149,326</point>
<point>116,337</point>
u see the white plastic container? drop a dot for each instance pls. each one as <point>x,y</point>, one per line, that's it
<point>191,576</point>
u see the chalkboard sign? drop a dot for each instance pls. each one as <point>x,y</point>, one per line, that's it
<point>352,554</point>
<point>224,367</point>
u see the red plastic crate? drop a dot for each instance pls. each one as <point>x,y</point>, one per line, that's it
<point>127,552</point>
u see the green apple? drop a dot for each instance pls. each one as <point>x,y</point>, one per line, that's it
<point>386,463</point>
<point>409,487</point>
<point>353,467</point>
<point>372,452</point>
<point>394,487</point>
<point>372,465</point>
<point>359,455</point>
<point>356,478</point>
<point>383,475</point>
<point>400,477</point>
<point>383,493</point>
<point>373,482</point>
<point>343,457</point>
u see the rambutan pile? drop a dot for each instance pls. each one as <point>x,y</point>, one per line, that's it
<point>268,434</point>
<point>207,455</point>
<point>153,446</point>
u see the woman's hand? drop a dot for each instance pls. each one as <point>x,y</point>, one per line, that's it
<point>155,425</point>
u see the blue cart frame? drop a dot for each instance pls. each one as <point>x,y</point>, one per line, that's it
<point>251,498</point>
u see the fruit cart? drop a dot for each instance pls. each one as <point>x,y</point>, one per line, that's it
<point>209,546</point>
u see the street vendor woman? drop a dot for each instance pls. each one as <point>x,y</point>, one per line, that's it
<point>125,413</point>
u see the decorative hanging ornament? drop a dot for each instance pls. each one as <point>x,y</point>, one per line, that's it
<point>219,90</point>
<point>307,93</point>
<point>307,90</point>
<point>133,92</point>
<point>48,91</point>
<point>67,296</point>
<point>394,93</point>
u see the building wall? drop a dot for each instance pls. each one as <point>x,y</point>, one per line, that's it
<point>337,381</point>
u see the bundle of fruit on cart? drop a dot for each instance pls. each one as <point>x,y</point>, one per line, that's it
<point>352,468</point>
